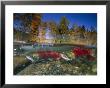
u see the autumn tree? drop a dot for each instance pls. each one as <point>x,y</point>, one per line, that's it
<point>54,29</point>
<point>92,29</point>
<point>28,23</point>
<point>93,33</point>
<point>73,29</point>
<point>36,20</point>
<point>82,31</point>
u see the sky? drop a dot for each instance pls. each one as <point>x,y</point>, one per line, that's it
<point>87,19</point>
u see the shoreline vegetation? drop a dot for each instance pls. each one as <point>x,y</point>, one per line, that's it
<point>32,28</point>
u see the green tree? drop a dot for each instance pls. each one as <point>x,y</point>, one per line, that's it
<point>63,26</point>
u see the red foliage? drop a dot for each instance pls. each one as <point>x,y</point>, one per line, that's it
<point>81,51</point>
<point>49,54</point>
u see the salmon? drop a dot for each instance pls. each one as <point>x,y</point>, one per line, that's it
<point>50,54</point>
<point>78,51</point>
